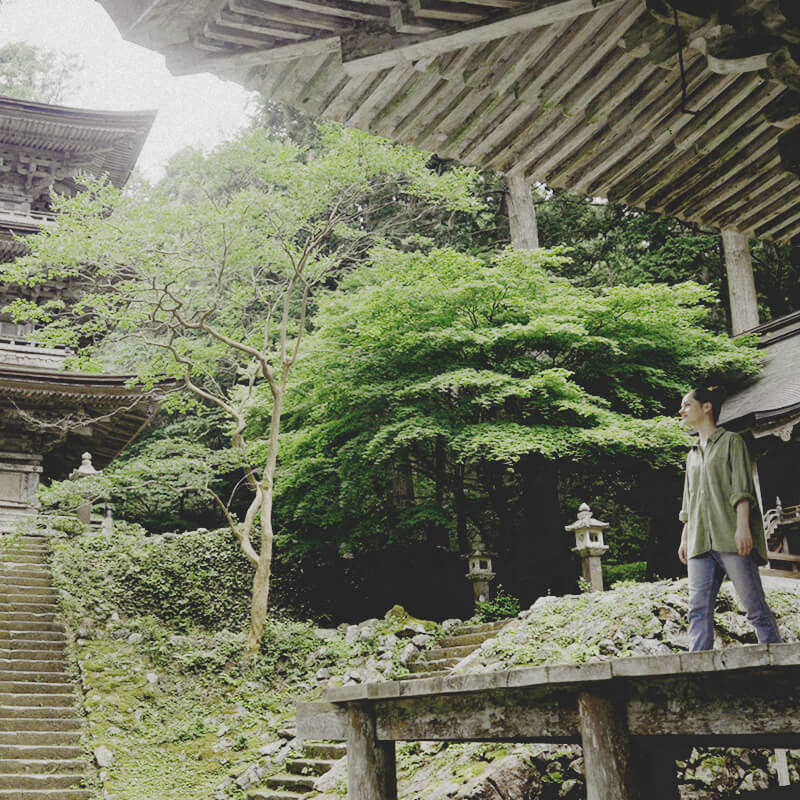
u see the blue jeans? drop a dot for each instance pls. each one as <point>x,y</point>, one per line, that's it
<point>705,577</point>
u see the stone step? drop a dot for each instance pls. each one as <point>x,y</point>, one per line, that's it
<point>31,712</point>
<point>38,766</point>
<point>294,783</point>
<point>456,651</point>
<point>29,594</point>
<point>35,699</point>
<point>307,766</point>
<point>30,625</point>
<point>71,723</point>
<point>37,661</point>
<point>8,615</point>
<point>54,781</point>
<point>39,738</point>
<point>11,570</point>
<point>426,665</point>
<point>482,627</point>
<point>35,677</point>
<point>330,750</point>
<point>39,637</point>
<point>29,606</point>
<point>35,751</point>
<point>272,794</point>
<point>464,639</point>
<point>35,687</point>
<point>46,794</point>
<point>414,676</point>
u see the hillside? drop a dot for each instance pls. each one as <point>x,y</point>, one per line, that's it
<point>186,714</point>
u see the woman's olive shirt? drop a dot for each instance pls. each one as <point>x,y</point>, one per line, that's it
<point>717,478</point>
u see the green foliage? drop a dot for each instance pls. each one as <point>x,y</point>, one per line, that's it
<point>187,580</point>
<point>501,606</point>
<point>619,573</point>
<point>33,73</point>
<point>439,388</point>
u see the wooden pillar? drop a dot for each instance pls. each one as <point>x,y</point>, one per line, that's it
<point>371,770</point>
<point>606,750</point>
<point>521,213</point>
<point>741,285</point>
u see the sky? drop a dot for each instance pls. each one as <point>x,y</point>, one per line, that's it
<point>197,110</point>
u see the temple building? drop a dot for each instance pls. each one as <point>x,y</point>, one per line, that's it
<point>768,411</point>
<point>48,415</point>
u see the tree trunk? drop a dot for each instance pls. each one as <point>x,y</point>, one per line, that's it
<point>260,595</point>
<point>261,580</point>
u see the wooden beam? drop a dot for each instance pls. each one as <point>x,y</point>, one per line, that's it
<point>512,714</point>
<point>186,60</point>
<point>741,284</point>
<point>545,15</point>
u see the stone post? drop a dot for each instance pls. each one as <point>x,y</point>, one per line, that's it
<point>84,510</point>
<point>589,545</point>
<point>480,571</point>
<point>371,769</point>
<point>521,213</point>
<point>741,284</point>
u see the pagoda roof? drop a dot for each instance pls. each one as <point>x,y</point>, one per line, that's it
<point>101,142</point>
<point>580,94</point>
<point>772,400</point>
<point>77,411</point>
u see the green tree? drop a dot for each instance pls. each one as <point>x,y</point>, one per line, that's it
<point>33,73</point>
<point>212,283</point>
<point>445,395</point>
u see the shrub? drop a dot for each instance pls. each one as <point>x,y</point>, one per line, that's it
<point>617,573</point>
<point>502,606</point>
<point>196,578</point>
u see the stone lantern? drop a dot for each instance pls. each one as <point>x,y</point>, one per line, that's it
<point>480,571</point>
<point>84,510</point>
<point>589,545</point>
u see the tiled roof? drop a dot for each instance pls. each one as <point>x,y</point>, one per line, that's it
<point>774,396</point>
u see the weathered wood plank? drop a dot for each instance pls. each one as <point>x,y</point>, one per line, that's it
<point>741,284</point>
<point>274,12</point>
<point>321,721</point>
<point>521,213</point>
<point>371,766</point>
<point>606,748</point>
<point>545,15</point>
<point>518,714</point>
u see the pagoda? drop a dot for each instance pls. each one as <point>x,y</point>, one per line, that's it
<point>48,415</point>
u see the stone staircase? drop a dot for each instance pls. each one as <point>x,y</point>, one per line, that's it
<point>316,758</point>
<point>452,649</point>
<point>41,757</point>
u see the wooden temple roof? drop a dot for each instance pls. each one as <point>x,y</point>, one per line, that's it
<point>76,411</point>
<point>580,94</point>
<point>771,404</point>
<point>44,148</point>
<point>97,142</point>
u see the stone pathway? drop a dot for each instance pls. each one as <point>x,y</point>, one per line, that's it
<point>317,758</point>
<point>41,757</point>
